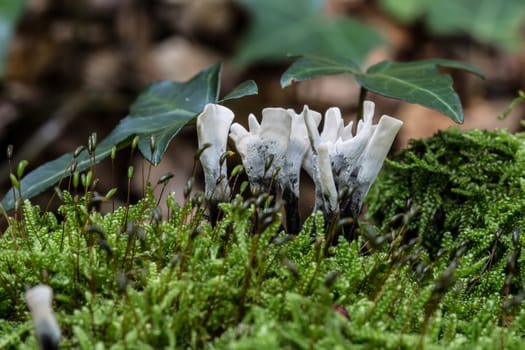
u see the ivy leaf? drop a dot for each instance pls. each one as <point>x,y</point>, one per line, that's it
<point>10,10</point>
<point>416,82</point>
<point>493,22</point>
<point>310,67</point>
<point>167,106</point>
<point>283,28</point>
<point>163,128</point>
<point>246,88</point>
<point>161,110</point>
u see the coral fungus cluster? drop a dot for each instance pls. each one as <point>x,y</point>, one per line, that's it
<point>274,152</point>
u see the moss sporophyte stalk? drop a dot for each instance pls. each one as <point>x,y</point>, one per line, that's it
<point>440,266</point>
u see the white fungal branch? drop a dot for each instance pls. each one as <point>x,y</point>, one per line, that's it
<point>346,152</point>
<point>372,159</point>
<point>263,148</point>
<point>213,125</point>
<point>298,146</point>
<point>326,179</point>
<point>319,165</point>
<point>38,300</point>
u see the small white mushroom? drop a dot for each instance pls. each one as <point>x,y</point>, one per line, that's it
<point>345,153</point>
<point>315,120</point>
<point>213,125</point>
<point>333,125</point>
<point>290,174</point>
<point>298,146</point>
<point>263,148</point>
<point>326,179</point>
<point>371,160</point>
<point>38,300</point>
<point>321,171</point>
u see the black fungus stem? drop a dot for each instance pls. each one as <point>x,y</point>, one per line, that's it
<point>362,96</point>
<point>213,207</point>
<point>348,230</point>
<point>291,205</point>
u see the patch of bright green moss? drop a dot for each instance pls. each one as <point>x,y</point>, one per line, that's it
<point>131,279</point>
<point>462,188</point>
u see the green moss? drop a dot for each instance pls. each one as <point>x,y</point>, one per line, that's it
<point>131,279</point>
<point>462,188</point>
<point>459,180</point>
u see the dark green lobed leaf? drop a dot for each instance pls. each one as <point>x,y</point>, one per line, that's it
<point>162,110</point>
<point>246,88</point>
<point>416,82</point>
<point>310,67</point>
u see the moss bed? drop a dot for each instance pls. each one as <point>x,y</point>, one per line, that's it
<point>440,266</point>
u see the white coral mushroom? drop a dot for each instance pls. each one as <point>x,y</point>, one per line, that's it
<point>273,152</point>
<point>371,160</point>
<point>38,300</point>
<point>263,148</point>
<point>213,125</point>
<point>353,162</point>
<point>290,174</point>
<point>321,169</point>
<point>326,179</point>
<point>346,152</point>
<point>298,146</point>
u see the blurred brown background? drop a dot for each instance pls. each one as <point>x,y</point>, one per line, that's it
<point>74,67</point>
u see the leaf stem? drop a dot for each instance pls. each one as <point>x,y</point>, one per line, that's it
<point>362,96</point>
